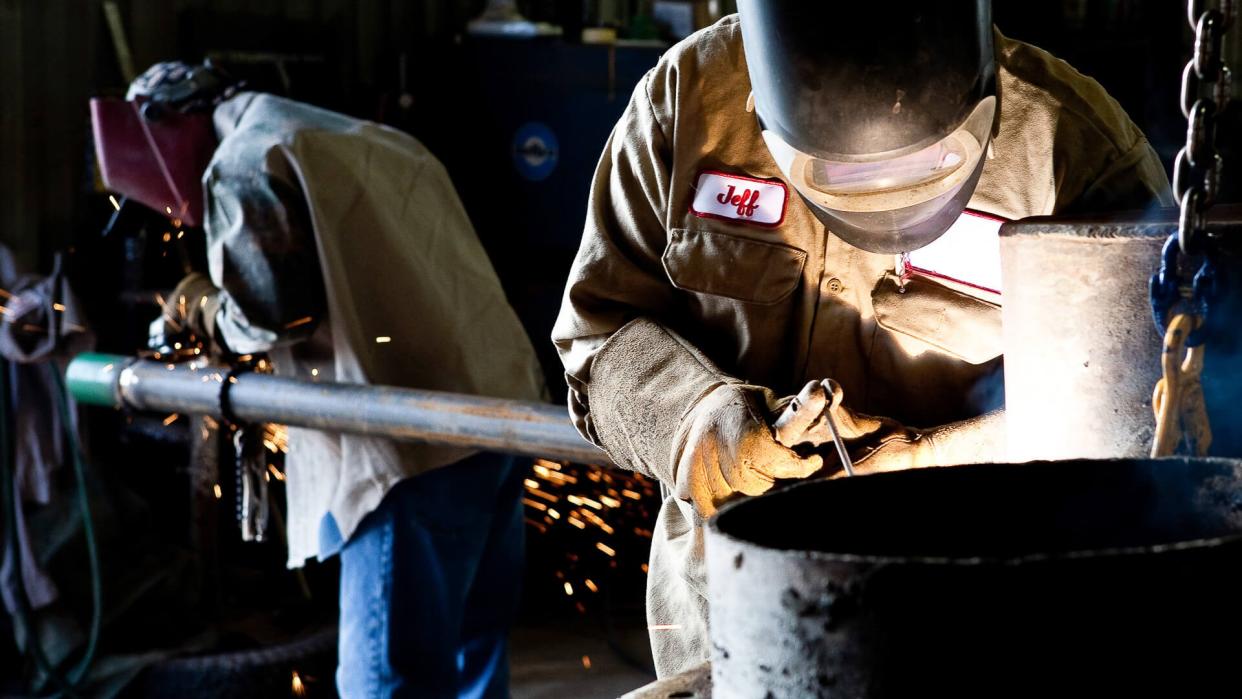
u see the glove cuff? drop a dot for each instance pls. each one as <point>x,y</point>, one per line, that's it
<point>644,380</point>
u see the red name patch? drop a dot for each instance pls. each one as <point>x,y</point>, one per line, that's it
<point>738,198</point>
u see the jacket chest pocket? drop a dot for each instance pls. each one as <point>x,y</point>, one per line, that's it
<point>719,264</point>
<point>952,322</point>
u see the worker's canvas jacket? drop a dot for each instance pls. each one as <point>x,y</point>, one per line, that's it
<point>676,289</point>
<point>341,246</point>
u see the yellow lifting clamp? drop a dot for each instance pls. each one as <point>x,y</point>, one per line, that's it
<point>1178,399</point>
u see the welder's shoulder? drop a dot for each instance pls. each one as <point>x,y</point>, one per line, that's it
<point>262,117</point>
<point>1044,88</point>
<point>258,130</point>
<point>701,74</point>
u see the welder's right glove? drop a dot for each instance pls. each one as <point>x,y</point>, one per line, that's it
<point>724,447</point>
<point>659,406</point>
<point>190,310</point>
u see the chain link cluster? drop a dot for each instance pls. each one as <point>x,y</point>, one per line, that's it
<point>1206,86</point>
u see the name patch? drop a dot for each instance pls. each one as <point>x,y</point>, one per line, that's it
<point>738,198</point>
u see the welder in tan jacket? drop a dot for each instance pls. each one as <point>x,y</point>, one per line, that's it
<point>822,205</point>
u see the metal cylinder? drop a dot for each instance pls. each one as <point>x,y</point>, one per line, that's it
<point>1082,354</point>
<point>435,417</point>
<point>1090,578</point>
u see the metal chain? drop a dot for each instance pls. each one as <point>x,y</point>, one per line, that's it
<point>1180,306</point>
<point>1206,86</point>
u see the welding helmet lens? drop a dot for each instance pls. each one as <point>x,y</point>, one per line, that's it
<point>881,129</point>
<point>153,146</point>
<point>905,190</point>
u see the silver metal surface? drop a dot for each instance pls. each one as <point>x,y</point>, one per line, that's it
<point>493,424</point>
<point>1093,578</point>
<point>695,683</point>
<point>846,462</point>
<point>1081,352</point>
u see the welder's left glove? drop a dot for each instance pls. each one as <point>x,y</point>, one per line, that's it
<point>974,441</point>
<point>879,444</point>
<point>189,309</point>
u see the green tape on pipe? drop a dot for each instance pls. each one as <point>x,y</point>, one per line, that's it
<point>91,378</point>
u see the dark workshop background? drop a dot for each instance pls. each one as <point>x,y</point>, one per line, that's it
<point>468,97</point>
<point>472,101</point>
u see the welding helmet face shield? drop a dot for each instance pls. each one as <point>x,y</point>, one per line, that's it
<point>154,146</point>
<point>883,133</point>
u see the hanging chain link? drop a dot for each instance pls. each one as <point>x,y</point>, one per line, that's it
<point>1179,305</point>
<point>1206,87</point>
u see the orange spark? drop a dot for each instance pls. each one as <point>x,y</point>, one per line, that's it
<point>537,505</point>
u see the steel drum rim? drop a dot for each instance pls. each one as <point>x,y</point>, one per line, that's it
<point>714,531</point>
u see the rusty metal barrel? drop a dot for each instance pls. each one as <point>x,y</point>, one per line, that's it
<point>1082,578</point>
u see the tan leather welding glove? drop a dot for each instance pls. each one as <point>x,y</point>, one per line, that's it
<point>724,447</point>
<point>874,444</point>
<point>880,444</point>
<point>978,440</point>
<point>190,308</point>
<point>974,441</point>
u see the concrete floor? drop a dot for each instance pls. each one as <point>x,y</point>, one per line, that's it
<point>547,663</point>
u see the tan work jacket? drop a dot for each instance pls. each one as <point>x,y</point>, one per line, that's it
<point>664,302</point>
<point>296,196</point>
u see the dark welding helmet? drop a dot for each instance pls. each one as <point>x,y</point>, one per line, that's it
<point>879,113</point>
<point>154,145</point>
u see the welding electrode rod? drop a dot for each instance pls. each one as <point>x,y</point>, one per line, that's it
<point>434,417</point>
<point>844,455</point>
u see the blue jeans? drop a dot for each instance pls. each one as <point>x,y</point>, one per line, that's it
<point>430,583</point>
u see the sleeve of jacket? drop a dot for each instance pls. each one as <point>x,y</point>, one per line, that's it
<point>1134,179</point>
<point>263,258</point>
<point>1104,161</point>
<point>631,377</point>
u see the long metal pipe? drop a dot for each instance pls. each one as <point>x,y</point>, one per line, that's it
<point>435,417</point>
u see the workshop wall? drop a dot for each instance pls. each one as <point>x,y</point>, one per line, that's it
<point>55,54</point>
<point>363,56</point>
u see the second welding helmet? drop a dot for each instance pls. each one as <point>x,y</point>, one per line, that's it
<point>879,113</point>
<point>154,145</point>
